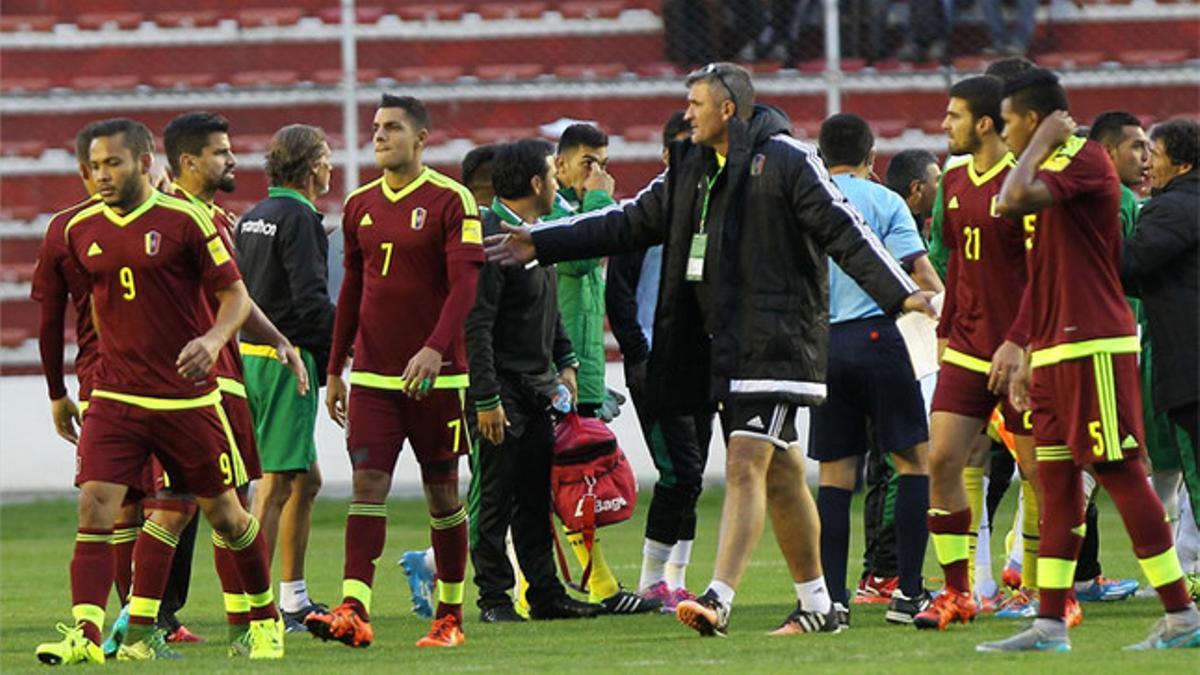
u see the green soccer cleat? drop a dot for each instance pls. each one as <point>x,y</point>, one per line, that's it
<point>239,645</point>
<point>266,639</point>
<point>73,648</point>
<point>153,647</point>
<point>1032,639</point>
<point>119,628</point>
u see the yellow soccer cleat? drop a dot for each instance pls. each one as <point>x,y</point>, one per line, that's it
<point>153,647</point>
<point>266,639</point>
<point>73,648</point>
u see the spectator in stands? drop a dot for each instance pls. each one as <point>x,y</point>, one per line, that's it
<point>678,443</point>
<point>1014,40</point>
<point>1160,264</point>
<point>914,175</point>
<point>929,23</point>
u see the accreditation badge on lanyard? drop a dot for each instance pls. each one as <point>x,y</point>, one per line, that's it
<point>695,263</point>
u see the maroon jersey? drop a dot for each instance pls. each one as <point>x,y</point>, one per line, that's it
<point>149,271</point>
<point>399,250</point>
<point>229,361</point>
<point>986,273</point>
<point>56,276</point>
<point>1075,305</point>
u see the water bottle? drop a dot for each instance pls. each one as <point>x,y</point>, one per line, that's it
<point>561,401</point>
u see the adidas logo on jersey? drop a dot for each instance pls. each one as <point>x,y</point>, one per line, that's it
<point>366,220</point>
<point>755,423</point>
<point>1129,443</point>
<point>953,203</point>
<point>94,250</point>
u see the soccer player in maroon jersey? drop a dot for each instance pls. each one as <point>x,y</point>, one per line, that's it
<point>1081,380</point>
<point>150,258</point>
<point>412,256</point>
<point>984,281</point>
<point>201,157</point>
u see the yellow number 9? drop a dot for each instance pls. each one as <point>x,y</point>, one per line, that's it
<point>227,468</point>
<point>126,276</point>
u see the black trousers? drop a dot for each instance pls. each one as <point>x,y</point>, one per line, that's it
<point>180,579</point>
<point>679,447</point>
<point>511,487</point>
<point>879,516</point>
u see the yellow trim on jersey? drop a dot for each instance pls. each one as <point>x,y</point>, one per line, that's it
<point>86,213</point>
<point>396,195</point>
<point>237,475</point>
<point>395,382</point>
<point>228,385</point>
<point>1126,344</point>
<point>264,351</point>
<point>158,403</point>
<point>971,363</point>
<point>1106,396</point>
<point>202,219</point>
<point>122,221</point>
<point>470,208</point>
<point>363,188</point>
<point>1062,156</point>
<point>1007,161</point>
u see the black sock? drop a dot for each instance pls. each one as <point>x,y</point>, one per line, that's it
<point>834,506</point>
<point>912,531</point>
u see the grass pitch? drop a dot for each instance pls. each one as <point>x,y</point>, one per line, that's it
<point>36,541</point>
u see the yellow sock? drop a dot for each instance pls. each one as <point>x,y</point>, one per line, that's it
<point>602,584</point>
<point>1030,533</point>
<point>973,481</point>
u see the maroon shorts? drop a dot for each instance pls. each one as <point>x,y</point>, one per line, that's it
<point>380,420</point>
<point>119,441</point>
<point>237,411</point>
<point>1091,406</point>
<point>965,392</point>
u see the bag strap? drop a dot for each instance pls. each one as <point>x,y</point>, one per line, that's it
<point>588,509</point>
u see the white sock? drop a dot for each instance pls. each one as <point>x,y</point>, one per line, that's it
<point>1166,486</point>
<point>1017,552</point>
<point>655,555</point>
<point>985,583</point>
<point>681,554</point>
<point>723,591</point>
<point>813,596</point>
<point>431,561</point>
<point>293,595</point>
<point>1089,486</point>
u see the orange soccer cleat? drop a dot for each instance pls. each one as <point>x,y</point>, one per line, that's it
<point>343,624</point>
<point>446,632</point>
<point>1074,612</point>
<point>949,606</point>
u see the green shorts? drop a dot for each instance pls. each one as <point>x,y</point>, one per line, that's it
<point>1165,442</point>
<point>284,421</point>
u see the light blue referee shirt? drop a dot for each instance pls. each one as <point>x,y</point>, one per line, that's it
<point>892,223</point>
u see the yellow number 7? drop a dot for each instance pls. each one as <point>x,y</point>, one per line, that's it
<point>387,257</point>
<point>455,429</point>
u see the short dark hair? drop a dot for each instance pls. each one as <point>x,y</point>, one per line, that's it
<point>676,124</point>
<point>845,140</point>
<point>1009,67</point>
<point>476,159</point>
<point>1180,139</point>
<point>83,142</point>
<point>907,166</point>
<point>581,136</point>
<point>188,134</point>
<point>293,151</point>
<point>516,164</point>
<point>412,106</point>
<point>1107,126</point>
<point>138,138</point>
<point>983,94</point>
<point>730,80</point>
<point>1036,89</point>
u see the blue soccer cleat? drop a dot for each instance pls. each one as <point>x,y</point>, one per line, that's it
<point>420,582</point>
<point>1103,589</point>
<point>119,628</point>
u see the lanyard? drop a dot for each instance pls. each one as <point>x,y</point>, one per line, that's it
<point>709,183</point>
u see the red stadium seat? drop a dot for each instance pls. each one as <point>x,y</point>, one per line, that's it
<point>592,9</point>
<point>183,80</point>
<point>1067,60</point>
<point>974,63</point>
<point>509,71</point>
<point>23,148</point>
<point>274,16</point>
<point>427,74</point>
<point>25,84</point>
<point>432,12</point>
<point>437,137</point>
<point>1152,57</point>
<point>326,76</point>
<point>188,19</point>
<point>807,128</point>
<point>251,142</point>
<point>642,133</point>
<point>39,23</point>
<point>657,69</point>
<point>11,338</point>
<point>511,10</point>
<point>17,272</point>
<point>589,71</point>
<point>104,82</point>
<point>264,78</point>
<point>109,20</point>
<point>889,128</point>
<point>362,15</point>
<point>933,126</point>
<point>486,135</point>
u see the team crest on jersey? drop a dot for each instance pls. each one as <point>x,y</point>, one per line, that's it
<point>757,164</point>
<point>153,242</point>
<point>418,217</point>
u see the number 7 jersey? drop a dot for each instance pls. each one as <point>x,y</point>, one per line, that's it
<point>987,270</point>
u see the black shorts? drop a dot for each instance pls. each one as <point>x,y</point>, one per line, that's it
<point>870,379</point>
<point>760,419</point>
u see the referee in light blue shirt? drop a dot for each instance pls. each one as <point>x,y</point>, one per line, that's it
<point>871,381</point>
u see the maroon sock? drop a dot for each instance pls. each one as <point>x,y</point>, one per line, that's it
<point>957,523</point>
<point>1145,521</point>
<point>448,534</point>
<point>249,553</point>
<point>366,531</point>
<point>231,583</point>
<point>91,575</point>
<point>1061,537</point>
<point>124,536</point>
<point>152,556</point>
